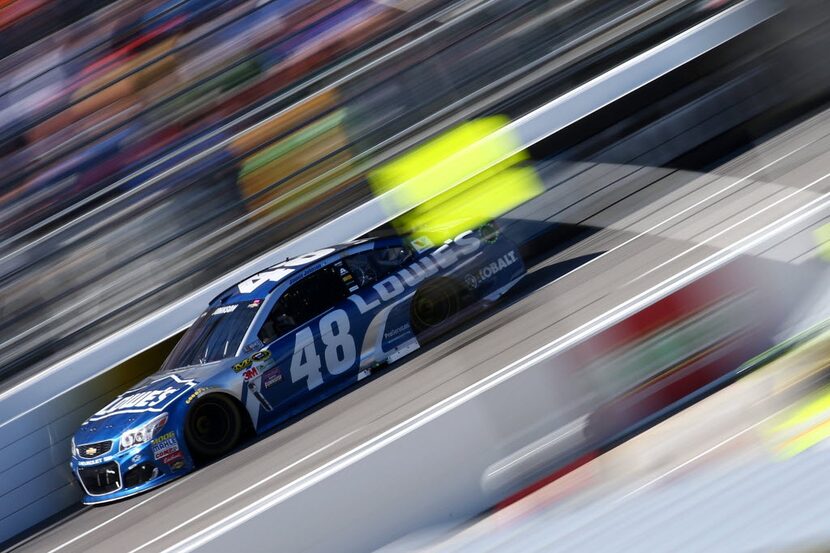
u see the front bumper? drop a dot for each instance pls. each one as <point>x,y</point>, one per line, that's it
<point>122,474</point>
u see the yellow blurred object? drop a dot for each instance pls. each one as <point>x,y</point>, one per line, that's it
<point>459,180</point>
<point>805,422</point>
<point>823,238</point>
<point>808,424</point>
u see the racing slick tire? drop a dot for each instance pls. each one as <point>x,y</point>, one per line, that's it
<point>215,425</point>
<point>434,304</point>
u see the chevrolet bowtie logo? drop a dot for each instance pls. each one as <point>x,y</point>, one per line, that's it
<point>90,451</point>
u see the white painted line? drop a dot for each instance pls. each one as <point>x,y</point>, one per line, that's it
<point>734,225</point>
<point>577,426</point>
<point>119,515</point>
<point>606,507</point>
<point>208,510</point>
<point>695,458</point>
<point>242,515</point>
<point>695,205</point>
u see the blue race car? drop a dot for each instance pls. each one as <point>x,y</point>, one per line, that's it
<point>282,341</point>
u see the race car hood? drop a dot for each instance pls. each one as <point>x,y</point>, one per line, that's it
<point>151,397</point>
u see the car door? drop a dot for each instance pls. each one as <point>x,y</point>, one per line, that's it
<point>308,340</point>
<point>380,302</point>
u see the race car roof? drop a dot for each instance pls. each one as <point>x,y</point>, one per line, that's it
<point>259,285</point>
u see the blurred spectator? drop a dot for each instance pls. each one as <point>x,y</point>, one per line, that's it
<point>154,145</point>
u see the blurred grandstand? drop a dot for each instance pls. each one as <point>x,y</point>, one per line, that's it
<point>149,147</point>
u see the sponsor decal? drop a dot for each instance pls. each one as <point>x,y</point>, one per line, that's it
<point>421,243</point>
<point>394,285</point>
<point>253,346</point>
<point>255,364</point>
<point>196,393</point>
<point>260,398</point>
<point>254,304</point>
<point>261,355</point>
<point>136,458</point>
<point>97,461</point>
<point>141,399</point>
<point>224,310</point>
<point>281,270</point>
<point>271,377</point>
<point>489,233</point>
<point>395,332</point>
<point>489,271</point>
<point>263,361</point>
<point>242,365</point>
<point>165,445</point>
<point>175,460</point>
<point>154,401</point>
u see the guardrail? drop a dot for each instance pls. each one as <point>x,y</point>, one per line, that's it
<point>39,413</point>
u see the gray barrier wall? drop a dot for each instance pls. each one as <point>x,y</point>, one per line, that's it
<point>38,414</point>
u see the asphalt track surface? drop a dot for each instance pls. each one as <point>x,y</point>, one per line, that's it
<point>660,221</point>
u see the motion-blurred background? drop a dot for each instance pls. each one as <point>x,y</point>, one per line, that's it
<point>147,148</point>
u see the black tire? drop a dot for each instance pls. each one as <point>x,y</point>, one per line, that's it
<point>433,304</point>
<point>215,425</point>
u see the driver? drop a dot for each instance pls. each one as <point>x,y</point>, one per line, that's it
<point>391,258</point>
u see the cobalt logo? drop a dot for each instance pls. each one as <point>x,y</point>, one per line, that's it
<point>505,261</point>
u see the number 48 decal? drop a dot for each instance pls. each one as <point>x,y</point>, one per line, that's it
<point>339,350</point>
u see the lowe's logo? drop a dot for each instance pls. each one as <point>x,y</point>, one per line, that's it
<point>138,401</point>
<point>444,257</point>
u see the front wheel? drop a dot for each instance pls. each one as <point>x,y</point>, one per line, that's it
<point>214,427</point>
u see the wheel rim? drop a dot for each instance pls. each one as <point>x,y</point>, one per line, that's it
<point>433,309</point>
<point>211,423</point>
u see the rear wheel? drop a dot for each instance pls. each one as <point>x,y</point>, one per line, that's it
<point>434,304</point>
<point>214,427</point>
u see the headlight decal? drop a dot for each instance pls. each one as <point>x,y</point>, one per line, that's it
<point>142,434</point>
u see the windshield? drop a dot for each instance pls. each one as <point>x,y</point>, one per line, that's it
<point>215,335</point>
